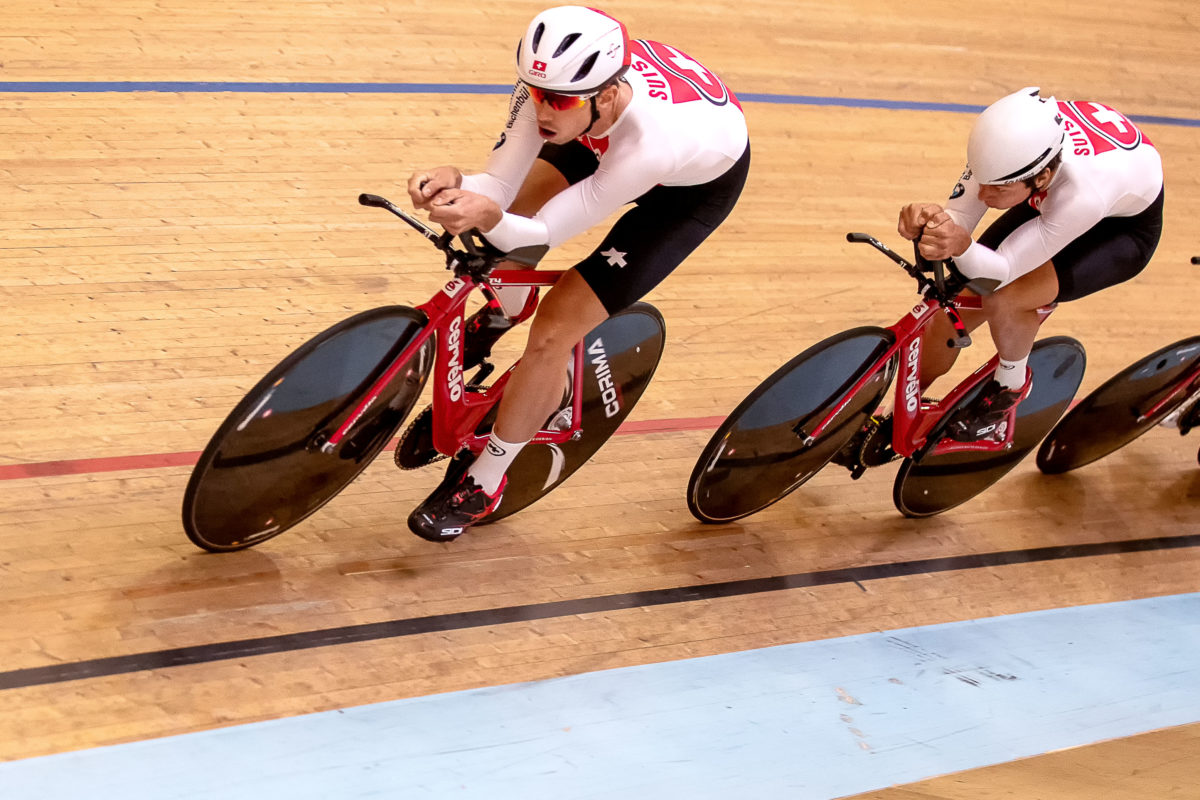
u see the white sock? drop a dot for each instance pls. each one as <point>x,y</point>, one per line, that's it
<point>512,298</point>
<point>488,470</point>
<point>1011,374</point>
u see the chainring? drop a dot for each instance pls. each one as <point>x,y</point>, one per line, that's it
<point>415,448</point>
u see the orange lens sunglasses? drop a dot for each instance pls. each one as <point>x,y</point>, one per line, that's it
<point>559,102</point>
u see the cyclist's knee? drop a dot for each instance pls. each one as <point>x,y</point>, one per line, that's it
<point>550,336</point>
<point>1029,292</point>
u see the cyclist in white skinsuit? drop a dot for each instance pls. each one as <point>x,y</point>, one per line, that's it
<point>595,122</point>
<point>1084,191</point>
<point>681,127</point>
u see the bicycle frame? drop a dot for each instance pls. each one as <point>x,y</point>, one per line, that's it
<point>459,406</point>
<point>1185,384</point>
<point>913,417</point>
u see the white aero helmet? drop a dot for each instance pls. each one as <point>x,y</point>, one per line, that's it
<point>1015,137</point>
<point>572,50</point>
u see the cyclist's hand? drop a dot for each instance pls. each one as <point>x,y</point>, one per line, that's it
<point>458,211</point>
<point>913,218</point>
<point>943,238</point>
<point>423,186</point>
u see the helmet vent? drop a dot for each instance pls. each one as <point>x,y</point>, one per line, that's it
<point>537,35</point>
<point>586,67</point>
<point>567,41</point>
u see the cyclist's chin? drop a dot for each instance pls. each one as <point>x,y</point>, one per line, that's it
<point>555,135</point>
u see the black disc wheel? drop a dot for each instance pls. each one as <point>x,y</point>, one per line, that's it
<point>1118,412</point>
<point>927,484</point>
<point>265,468</point>
<point>763,450</point>
<point>620,356</point>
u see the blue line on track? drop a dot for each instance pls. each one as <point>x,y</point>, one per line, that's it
<point>262,87</point>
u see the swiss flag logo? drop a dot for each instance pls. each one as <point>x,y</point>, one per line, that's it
<point>540,66</point>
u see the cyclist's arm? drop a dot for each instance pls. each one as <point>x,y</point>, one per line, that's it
<point>1063,220</point>
<point>964,206</point>
<point>513,155</point>
<point>580,206</point>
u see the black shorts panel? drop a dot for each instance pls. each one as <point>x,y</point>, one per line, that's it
<point>1112,251</point>
<point>574,160</point>
<point>654,237</point>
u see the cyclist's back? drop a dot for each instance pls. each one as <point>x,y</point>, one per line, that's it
<point>682,127</point>
<point>1109,169</point>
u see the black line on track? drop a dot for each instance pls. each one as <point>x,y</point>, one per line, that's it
<point>265,645</point>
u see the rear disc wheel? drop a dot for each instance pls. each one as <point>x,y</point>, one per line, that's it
<point>619,359</point>
<point>927,485</point>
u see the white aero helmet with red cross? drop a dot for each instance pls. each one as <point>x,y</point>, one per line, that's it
<point>572,50</point>
<point>1015,137</point>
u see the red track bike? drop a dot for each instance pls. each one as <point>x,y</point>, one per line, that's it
<point>308,428</point>
<point>818,408</point>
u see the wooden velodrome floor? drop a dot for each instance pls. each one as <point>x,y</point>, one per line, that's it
<point>161,249</point>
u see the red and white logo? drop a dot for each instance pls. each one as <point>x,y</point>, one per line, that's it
<point>1094,128</point>
<point>540,66</point>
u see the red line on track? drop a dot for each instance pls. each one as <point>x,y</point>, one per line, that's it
<point>89,466</point>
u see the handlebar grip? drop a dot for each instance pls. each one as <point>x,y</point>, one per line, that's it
<point>959,342</point>
<point>373,200</point>
<point>1196,259</point>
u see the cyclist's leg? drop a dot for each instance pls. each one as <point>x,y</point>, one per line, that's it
<point>648,242</point>
<point>645,245</point>
<point>555,169</point>
<point>1012,314</point>
<point>535,388</point>
<point>1013,322</point>
<point>937,357</point>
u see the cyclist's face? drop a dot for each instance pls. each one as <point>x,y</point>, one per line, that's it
<point>1004,195</point>
<point>560,127</point>
<point>1007,195</point>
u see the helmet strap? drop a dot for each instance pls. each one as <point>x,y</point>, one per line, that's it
<point>595,117</point>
